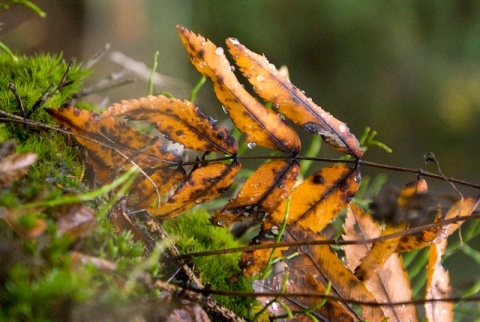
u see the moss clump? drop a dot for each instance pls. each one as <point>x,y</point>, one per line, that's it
<point>58,168</point>
<point>192,233</point>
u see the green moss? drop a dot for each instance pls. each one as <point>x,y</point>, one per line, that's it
<point>193,232</point>
<point>58,167</point>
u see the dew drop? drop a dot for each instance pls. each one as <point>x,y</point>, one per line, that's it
<point>219,51</point>
<point>234,41</point>
<point>280,115</point>
<point>212,120</point>
<point>236,56</point>
<point>224,109</point>
<point>251,145</point>
<point>260,78</point>
<point>203,43</point>
<point>194,59</point>
<point>272,66</point>
<point>232,68</point>
<point>203,64</point>
<point>342,128</point>
<point>276,106</point>
<point>257,89</point>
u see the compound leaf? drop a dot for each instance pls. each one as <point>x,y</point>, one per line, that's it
<point>314,204</point>
<point>263,191</point>
<point>290,101</point>
<point>203,184</point>
<point>262,126</point>
<point>111,144</point>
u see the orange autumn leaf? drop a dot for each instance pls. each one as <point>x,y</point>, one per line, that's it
<point>112,144</point>
<point>438,286</point>
<point>390,283</point>
<point>144,191</point>
<point>262,126</point>
<point>203,184</point>
<point>314,204</point>
<point>263,191</point>
<point>180,121</point>
<point>272,86</point>
<point>320,197</point>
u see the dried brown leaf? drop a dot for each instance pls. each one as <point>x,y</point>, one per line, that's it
<point>390,283</point>
<point>381,251</point>
<point>14,166</point>
<point>26,224</point>
<point>438,286</point>
<point>76,220</point>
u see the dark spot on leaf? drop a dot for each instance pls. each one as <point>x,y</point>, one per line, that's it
<point>201,53</point>
<point>318,179</point>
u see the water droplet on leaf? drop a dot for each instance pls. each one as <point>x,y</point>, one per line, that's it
<point>219,51</point>
<point>260,78</point>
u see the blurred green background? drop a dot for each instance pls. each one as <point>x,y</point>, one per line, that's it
<point>408,69</point>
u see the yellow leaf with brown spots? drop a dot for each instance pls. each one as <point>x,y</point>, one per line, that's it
<point>203,184</point>
<point>262,126</point>
<point>263,191</point>
<point>180,121</point>
<point>272,86</point>
<point>314,204</point>
<point>111,144</point>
